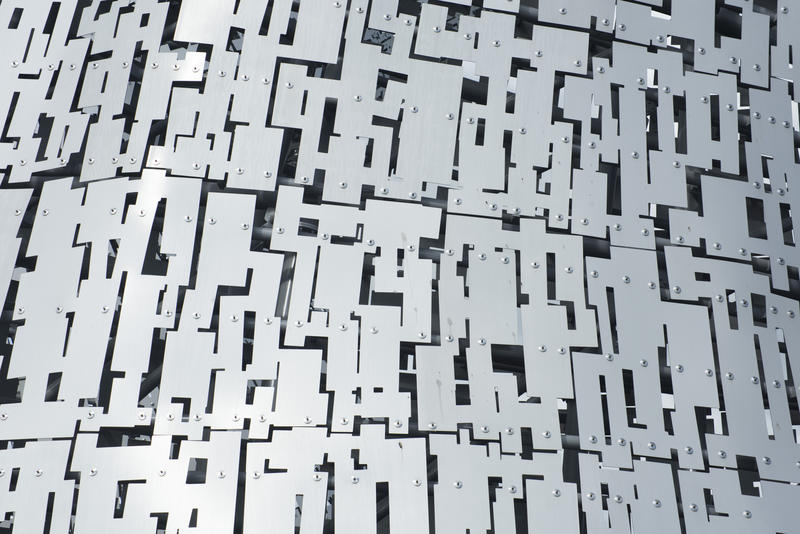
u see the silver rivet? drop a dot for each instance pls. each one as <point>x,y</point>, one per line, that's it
<point>771,120</point>
<point>785,124</point>
<point>357,98</point>
<point>645,232</point>
<point>450,116</point>
<point>307,420</point>
<point>38,472</point>
<point>20,310</point>
<point>626,279</point>
<point>245,226</point>
<point>512,489</point>
<point>568,270</point>
<point>593,439</point>
<point>267,174</point>
<point>239,171</point>
<point>689,450</point>
<point>590,496</point>
<point>594,274</point>
<point>657,503</point>
<point>104,309</point>
<point>635,155</point>
<point>359,9</point>
<point>660,38</point>
<point>756,67</point>
<point>416,482</point>
<point>562,350</point>
<point>432,426</point>
<point>539,53</point>
<point>414,109</point>
<point>679,368</point>
<point>604,22</point>
<point>578,62</point>
<point>640,80</point>
<point>482,341</point>
<point>505,259</point>
<point>387,17</point>
<point>542,348</point>
<point>449,338</point>
<point>562,10</point>
<point>747,514</point>
<point>729,375</point>
<point>265,81</point>
<point>722,454</point>
<point>316,477</point>
<point>289,85</point>
<point>651,285</point>
<point>556,493</point>
<point>592,144</point>
<point>754,379</point>
<point>773,310</point>
<point>708,372</point>
<point>162,472</point>
<point>701,51</point>
<point>495,43</point>
<point>621,442</point>
<point>767,460</point>
<point>509,431</point>
<point>584,221</point>
<point>790,313</point>
<point>776,384</point>
<point>482,256</point>
<point>523,131</point>
<point>343,185</point>
<point>733,60</point>
<point>643,363</point>
<point>704,99</point>
<point>621,27</point>
<point>676,289</point>
<point>256,474</point>
<point>610,357</point>
<point>457,484</point>
<point>354,479</point>
<point>617,498</point>
<point>651,445</point>
<point>756,115</point>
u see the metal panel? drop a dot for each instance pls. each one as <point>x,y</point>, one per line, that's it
<point>397,266</point>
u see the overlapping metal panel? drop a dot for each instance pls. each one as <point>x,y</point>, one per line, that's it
<point>508,266</point>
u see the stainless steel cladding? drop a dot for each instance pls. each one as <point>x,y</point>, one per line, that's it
<point>353,266</point>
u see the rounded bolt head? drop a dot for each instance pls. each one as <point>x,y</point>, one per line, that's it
<point>693,507</point>
<point>38,472</point>
<point>651,285</point>
<point>594,274</point>
<point>610,357</point>
<point>162,472</point>
<point>542,348</point>
<point>509,431</point>
<point>651,445</point>
<point>747,514</point>
<point>316,477</point>
<point>432,426</point>
<point>626,279</point>
<point>708,372</point>
<point>722,454</point>
<point>676,289</point>
<point>590,496</point>
<point>645,232</point>
<point>643,363</point>
<point>617,498</point>
<point>767,460</point>
<point>622,27</point>
<point>354,479</point>
<point>457,484</point>
<point>754,379</point>
<point>512,489</point>
<point>546,434</point>
<point>729,375</point>
<point>592,439</point>
<point>221,474</point>
<point>416,482</point>
<point>556,493</point>
<point>373,330</point>
<point>689,450</point>
<point>482,341</point>
<point>657,503</point>
<point>621,442</point>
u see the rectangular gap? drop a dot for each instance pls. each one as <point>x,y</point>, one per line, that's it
<point>714,117</point>
<point>756,225</point>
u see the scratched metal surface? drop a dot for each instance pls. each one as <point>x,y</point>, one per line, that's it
<point>388,266</point>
